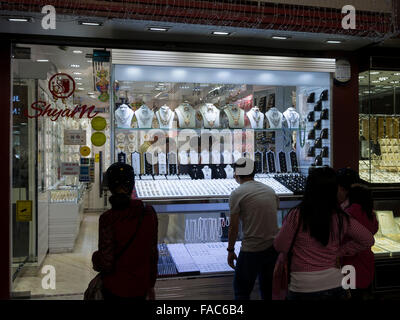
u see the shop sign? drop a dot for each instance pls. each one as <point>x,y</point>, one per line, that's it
<point>44,109</point>
<point>24,211</point>
<point>61,86</point>
<point>74,137</point>
<point>69,168</point>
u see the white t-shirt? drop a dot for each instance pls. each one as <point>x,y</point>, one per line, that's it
<point>257,206</point>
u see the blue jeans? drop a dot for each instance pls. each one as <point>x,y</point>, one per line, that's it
<point>251,265</point>
<point>331,294</point>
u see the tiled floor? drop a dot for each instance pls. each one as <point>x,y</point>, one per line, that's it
<point>73,270</point>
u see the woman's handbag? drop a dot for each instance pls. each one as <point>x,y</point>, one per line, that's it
<point>280,279</point>
<point>95,287</point>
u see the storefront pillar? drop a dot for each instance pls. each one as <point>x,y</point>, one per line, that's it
<point>345,122</point>
<point>5,165</point>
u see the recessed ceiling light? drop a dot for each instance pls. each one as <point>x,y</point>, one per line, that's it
<point>383,78</point>
<point>19,19</point>
<point>78,78</point>
<point>78,83</point>
<point>42,60</point>
<point>280,37</point>
<point>361,77</point>
<point>334,41</point>
<point>75,65</point>
<point>89,61</point>
<point>81,88</point>
<point>375,81</point>
<point>77,51</point>
<point>90,23</point>
<point>397,74</point>
<point>77,73</point>
<point>375,72</point>
<point>220,33</point>
<point>90,93</point>
<point>159,29</point>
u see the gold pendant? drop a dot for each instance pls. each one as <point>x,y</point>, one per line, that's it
<point>236,122</point>
<point>187,122</point>
<point>211,123</point>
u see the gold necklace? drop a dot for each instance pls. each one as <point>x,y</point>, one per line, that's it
<point>235,120</point>
<point>186,115</point>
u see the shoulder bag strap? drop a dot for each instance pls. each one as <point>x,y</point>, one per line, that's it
<point>127,245</point>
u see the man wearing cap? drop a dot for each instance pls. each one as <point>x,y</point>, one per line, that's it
<point>255,205</point>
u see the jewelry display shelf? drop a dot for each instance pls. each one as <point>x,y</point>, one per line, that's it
<point>207,129</point>
<point>195,189</point>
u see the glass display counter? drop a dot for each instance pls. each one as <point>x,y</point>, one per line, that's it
<point>65,205</point>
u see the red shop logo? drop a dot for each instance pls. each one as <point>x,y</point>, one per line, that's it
<point>61,86</point>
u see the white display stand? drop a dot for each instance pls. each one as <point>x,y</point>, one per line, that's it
<point>64,222</point>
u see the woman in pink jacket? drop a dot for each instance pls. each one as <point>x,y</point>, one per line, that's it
<point>317,229</point>
<point>360,207</point>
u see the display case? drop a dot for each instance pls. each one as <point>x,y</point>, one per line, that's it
<point>182,128</point>
<point>65,209</point>
<point>379,126</point>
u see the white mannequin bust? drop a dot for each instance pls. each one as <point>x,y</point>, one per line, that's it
<point>165,117</point>
<point>144,116</point>
<point>256,118</point>
<point>186,115</point>
<point>210,114</point>
<point>275,118</point>
<point>123,116</point>
<point>292,117</point>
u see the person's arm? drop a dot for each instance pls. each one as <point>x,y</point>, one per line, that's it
<point>284,238</point>
<point>103,259</point>
<point>154,258</point>
<point>361,239</point>
<point>232,236</point>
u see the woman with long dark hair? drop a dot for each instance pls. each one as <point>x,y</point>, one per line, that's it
<point>315,231</point>
<point>361,207</point>
<point>127,256</point>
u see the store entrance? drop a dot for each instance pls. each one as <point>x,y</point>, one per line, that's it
<point>61,144</point>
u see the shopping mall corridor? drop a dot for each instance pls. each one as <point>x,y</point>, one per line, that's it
<point>73,270</point>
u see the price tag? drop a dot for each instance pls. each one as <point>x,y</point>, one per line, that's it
<point>162,163</point>
<point>194,157</point>
<point>205,157</point>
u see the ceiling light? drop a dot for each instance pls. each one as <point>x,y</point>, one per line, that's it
<point>90,23</point>
<point>81,88</point>
<point>334,41</point>
<point>42,60</point>
<point>375,81</point>
<point>90,93</point>
<point>77,51</point>
<point>77,73</point>
<point>383,78</point>
<point>78,78</point>
<point>361,77</point>
<point>89,61</point>
<point>375,72</point>
<point>220,33</point>
<point>159,29</point>
<point>280,38</point>
<point>75,65</point>
<point>397,74</point>
<point>19,19</point>
<point>79,83</point>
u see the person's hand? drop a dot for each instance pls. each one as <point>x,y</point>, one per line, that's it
<point>151,295</point>
<point>231,258</point>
